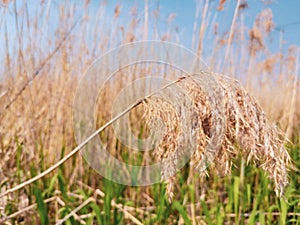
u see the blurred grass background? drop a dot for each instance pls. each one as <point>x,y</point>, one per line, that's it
<point>52,44</point>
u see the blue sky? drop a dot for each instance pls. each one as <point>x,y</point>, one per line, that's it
<point>286,14</point>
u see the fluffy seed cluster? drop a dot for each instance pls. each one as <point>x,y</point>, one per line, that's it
<point>211,120</point>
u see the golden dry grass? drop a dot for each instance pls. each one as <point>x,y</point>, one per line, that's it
<point>39,82</point>
<point>244,130</point>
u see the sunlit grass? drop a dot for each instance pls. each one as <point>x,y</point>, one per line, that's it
<point>36,96</point>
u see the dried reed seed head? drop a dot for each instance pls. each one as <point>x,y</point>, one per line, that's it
<point>5,2</point>
<point>263,25</point>
<point>221,5</point>
<point>246,131</point>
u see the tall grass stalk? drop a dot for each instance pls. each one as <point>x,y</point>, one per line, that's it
<point>42,61</point>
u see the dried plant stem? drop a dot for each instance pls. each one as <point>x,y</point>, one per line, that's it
<point>146,21</point>
<point>26,209</point>
<point>75,150</point>
<point>120,207</point>
<point>113,204</point>
<point>37,72</point>
<point>72,153</point>
<point>76,210</point>
<point>292,110</point>
<point>126,213</point>
<point>6,44</point>
<point>195,26</point>
<point>3,94</point>
<point>280,54</point>
<point>20,54</point>
<point>230,37</point>
<point>202,28</point>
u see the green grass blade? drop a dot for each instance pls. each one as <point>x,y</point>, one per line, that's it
<point>206,212</point>
<point>41,206</point>
<point>283,211</point>
<point>182,212</point>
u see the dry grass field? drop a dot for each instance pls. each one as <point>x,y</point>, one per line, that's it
<point>253,179</point>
